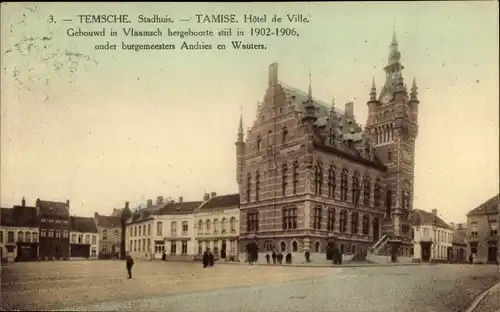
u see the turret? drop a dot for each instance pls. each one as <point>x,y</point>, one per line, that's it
<point>240,150</point>
<point>309,118</point>
<point>413,102</point>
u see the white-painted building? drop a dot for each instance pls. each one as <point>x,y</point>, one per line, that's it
<point>19,233</point>
<point>433,238</point>
<point>139,233</point>
<point>84,242</point>
<point>217,225</point>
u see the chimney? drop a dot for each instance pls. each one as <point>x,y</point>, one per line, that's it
<point>159,200</point>
<point>213,194</point>
<point>23,202</point>
<point>349,109</point>
<point>435,212</point>
<point>67,203</point>
<point>126,205</point>
<point>273,74</point>
<point>180,199</point>
<point>206,196</point>
<point>149,203</point>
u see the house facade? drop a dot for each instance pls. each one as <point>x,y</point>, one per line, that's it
<point>459,246</point>
<point>109,229</point>
<point>139,230</point>
<point>483,232</point>
<point>310,176</point>
<point>19,232</point>
<point>84,242</point>
<point>53,219</point>
<point>217,225</point>
<point>433,238</point>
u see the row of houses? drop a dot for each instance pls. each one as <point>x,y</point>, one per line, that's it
<point>182,230</point>
<point>47,231</point>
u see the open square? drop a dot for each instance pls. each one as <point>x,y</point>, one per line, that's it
<point>60,284</point>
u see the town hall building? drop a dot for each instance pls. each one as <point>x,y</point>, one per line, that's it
<point>312,179</point>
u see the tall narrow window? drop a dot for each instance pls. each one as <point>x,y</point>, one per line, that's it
<point>343,185</point>
<point>289,218</point>
<point>366,191</point>
<point>343,221</point>
<point>389,155</point>
<point>257,185</point>
<point>269,138</point>
<point>331,182</point>
<point>366,225</point>
<point>295,176</point>
<point>284,178</point>
<point>318,183</point>
<point>388,202</point>
<point>355,188</point>
<point>354,222</point>
<point>376,194</point>
<point>253,221</point>
<point>317,218</point>
<point>284,135</point>
<point>331,220</point>
<point>259,142</point>
<point>249,187</point>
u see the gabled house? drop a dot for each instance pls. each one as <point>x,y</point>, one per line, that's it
<point>432,237</point>
<point>84,234</point>
<point>53,218</point>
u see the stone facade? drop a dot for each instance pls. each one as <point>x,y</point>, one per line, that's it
<point>482,231</point>
<point>109,231</point>
<point>301,161</point>
<point>433,238</point>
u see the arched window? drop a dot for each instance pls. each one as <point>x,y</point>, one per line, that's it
<point>355,188</point>
<point>259,142</point>
<point>366,225</point>
<point>232,224</point>
<point>20,237</point>
<point>216,226</point>
<point>257,185</point>
<point>224,225</point>
<point>159,228</point>
<point>284,178</point>
<point>249,187</point>
<point>366,191</point>
<point>208,225</point>
<point>253,221</point>
<point>104,235</point>
<point>343,221</point>
<point>388,202</point>
<point>27,236</point>
<point>318,179</point>
<point>343,184</point>
<point>284,135</point>
<point>200,227</point>
<point>376,194</point>
<point>294,246</point>
<point>317,247</point>
<point>295,176</point>
<point>283,247</point>
<point>331,182</point>
<point>354,222</point>
<point>269,138</point>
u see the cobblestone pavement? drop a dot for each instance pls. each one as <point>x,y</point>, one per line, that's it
<point>102,286</point>
<point>490,303</point>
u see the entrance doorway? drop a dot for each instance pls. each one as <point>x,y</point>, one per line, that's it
<point>223,250</point>
<point>492,254</point>
<point>376,230</point>
<point>425,251</point>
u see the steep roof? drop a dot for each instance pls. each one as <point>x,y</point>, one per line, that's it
<point>221,201</point>
<point>53,209</point>
<point>19,216</point>
<point>107,221</point>
<point>117,212</point>
<point>177,208</point>
<point>488,207</point>
<point>421,217</point>
<point>82,224</point>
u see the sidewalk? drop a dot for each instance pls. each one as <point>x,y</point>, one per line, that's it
<point>323,265</point>
<point>491,302</point>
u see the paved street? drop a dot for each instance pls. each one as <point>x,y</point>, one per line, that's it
<point>101,285</point>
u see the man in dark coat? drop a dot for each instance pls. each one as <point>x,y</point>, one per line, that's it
<point>129,263</point>
<point>307,256</point>
<point>268,258</point>
<point>273,255</point>
<point>204,259</point>
<point>279,257</point>
<point>211,259</point>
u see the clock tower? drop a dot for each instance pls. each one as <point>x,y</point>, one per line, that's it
<point>392,123</point>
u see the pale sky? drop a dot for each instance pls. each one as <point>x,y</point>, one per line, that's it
<point>104,127</point>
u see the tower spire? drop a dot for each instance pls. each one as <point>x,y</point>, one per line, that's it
<point>240,127</point>
<point>414,90</point>
<point>309,93</point>
<point>309,109</point>
<point>373,91</point>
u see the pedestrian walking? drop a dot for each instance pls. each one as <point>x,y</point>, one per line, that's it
<point>210,258</point>
<point>268,258</point>
<point>273,255</point>
<point>307,255</point>
<point>129,263</point>
<point>205,258</point>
